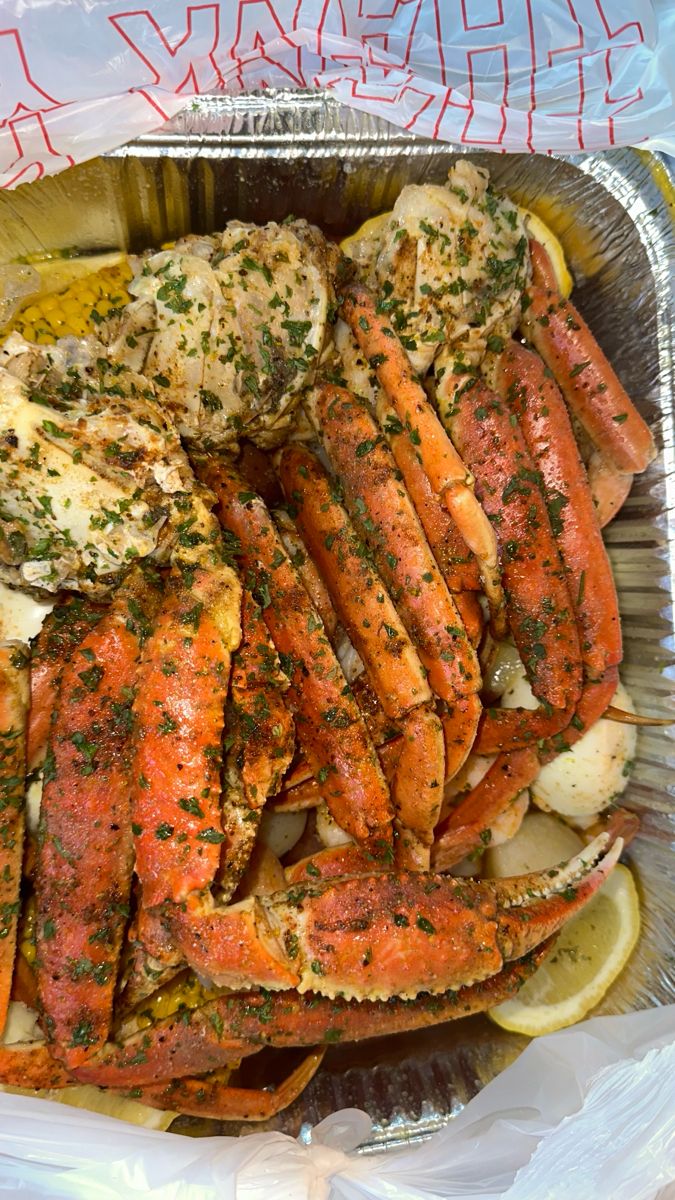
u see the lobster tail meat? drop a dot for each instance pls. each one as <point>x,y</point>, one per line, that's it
<point>589,384</point>
<point>13,714</point>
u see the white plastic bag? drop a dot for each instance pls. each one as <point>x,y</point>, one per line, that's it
<point>79,77</point>
<point>585,1114</point>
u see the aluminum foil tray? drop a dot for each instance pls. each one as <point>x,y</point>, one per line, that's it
<point>263,157</point>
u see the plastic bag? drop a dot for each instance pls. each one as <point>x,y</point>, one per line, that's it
<point>538,75</point>
<point>585,1114</point>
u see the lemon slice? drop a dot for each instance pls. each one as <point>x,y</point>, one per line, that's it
<point>100,1101</point>
<point>589,954</point>
<point>540,231</point>
<point>351,244</point>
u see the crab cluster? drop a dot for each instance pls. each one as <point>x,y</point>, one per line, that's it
<point>302,628</point>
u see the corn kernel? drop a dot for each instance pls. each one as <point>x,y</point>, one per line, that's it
<point>87,296</point>
<point>32,313</point>
<point>49,303</point>
<point>76,325</point>
<point>103,307</point>
<point>45,338</point>
<point>71,304</point>
<point>28,950</point>
<point>28,332</point>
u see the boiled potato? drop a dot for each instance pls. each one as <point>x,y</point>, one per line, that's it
<point>595,772</point>
<point>542,841</point>
<point>586,779</point>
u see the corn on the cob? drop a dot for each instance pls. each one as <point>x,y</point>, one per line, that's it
<point>77,309</point>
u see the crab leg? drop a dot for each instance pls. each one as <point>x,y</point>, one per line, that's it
<point>447,474</point>
<point>236,1025</point>
<point>261,730</point>
<point>543,419</point>
<point>459,721</point>
<point>539,605</point>
<point>331,863</point>
<point>329,727</point>
<point>396,935</point>
<point>153,958</point>
<point>307,571</point>
<point>467,825</point>
<point>82,901</point>
<point>63,630</point>
<point>309,793</point>
<point>373,936</point>
<point>13,715</point>
<point>212,1096</point>
<point>609,487</point>
<point>361,600</point>
<point>417,787</point>
<point>595,699</point>
<point>589,384</point>
<point>179,711</point>
<point>383,511</point>
<point>31,1065</point>
<point>374,626</point>
<point>457,564</point>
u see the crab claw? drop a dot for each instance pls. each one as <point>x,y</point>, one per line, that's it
<point>533,907</point>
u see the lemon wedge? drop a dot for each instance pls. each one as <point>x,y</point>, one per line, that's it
<point>588,956</point>
<point>350,245</point>
<point>541,232</point>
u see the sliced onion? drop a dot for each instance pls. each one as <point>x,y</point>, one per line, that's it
<point>330,833</point>
<point>280,831</point>
<point>503,669</point>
